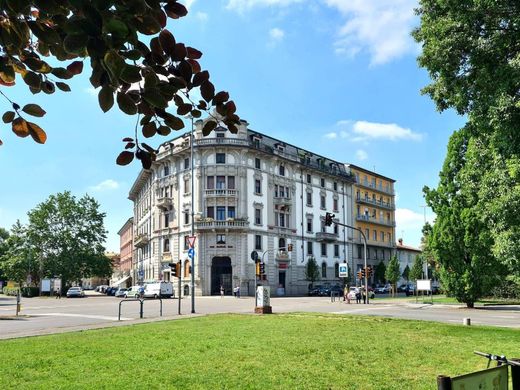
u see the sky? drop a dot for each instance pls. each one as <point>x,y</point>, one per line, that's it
<point>336,77</point>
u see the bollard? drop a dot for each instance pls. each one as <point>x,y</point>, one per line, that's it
<point>443,382</point>
<point>466,321</point>
<point>515,374</point>
<point>141,312</point>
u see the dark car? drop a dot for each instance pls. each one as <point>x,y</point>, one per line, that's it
<point>315,291</point>
<point>409,290</point>
<point>338,290</point>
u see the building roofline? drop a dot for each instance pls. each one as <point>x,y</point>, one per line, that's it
<point>370,172</point>
<point>128,221</point>
<point>406,247</point>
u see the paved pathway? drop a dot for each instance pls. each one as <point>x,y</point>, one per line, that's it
<point>49,315</point>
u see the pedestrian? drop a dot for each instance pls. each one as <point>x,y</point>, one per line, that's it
<point>57,293</point>
<point>238,291</point>
<point>358,296</point>
<point>221,291</point>
<point>235,292</point>
<point>345,295</point>
<point>364,296</point>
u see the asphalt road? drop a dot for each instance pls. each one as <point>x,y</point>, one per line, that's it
<point>49,315</point>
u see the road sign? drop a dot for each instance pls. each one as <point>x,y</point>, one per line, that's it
<point>191,253</point>
<point>141,273</point>
<point>254,255</point>
<point>191,241</point>
<point>343,270</point>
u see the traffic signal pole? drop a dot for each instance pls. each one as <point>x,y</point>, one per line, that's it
<point>329,220</point>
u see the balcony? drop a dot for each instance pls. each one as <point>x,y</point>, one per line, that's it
<point>282,200</point>
<point>164,202</point>
<point>221,141</point>
<point>229,224</point>
<point>166,256</point>
<point>366,184</point>
<point>141,240</point>
<point>220,193</point>
<point>326,237</point>
<point>377,203</point>
<point>367,218</point>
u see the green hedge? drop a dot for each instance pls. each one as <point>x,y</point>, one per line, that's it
<point>12,291</point>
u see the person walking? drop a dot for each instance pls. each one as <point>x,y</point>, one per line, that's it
<point>358,296</point>
<point>238,291</point>
<point>57,293</point>
<point>345,295</point>
<point>364,295</point>
<point>221,291</point>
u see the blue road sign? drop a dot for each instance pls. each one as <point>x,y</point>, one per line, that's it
<point>141,273</point>
<point>191,253</point>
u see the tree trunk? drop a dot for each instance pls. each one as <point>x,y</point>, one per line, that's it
<point>470,305</point>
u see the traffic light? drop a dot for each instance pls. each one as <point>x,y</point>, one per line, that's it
<point>359,275</point>
<point>363,272</point>
<point>328,219</point>
<point>262,268</point>
<point>289,247</point>
<point>257,269</point>
<point>370,271</point>
<point>175,269</point>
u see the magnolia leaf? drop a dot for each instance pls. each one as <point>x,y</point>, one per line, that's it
<point>37,133</point>
<point>32,80</point>
<point>124,158</point>
<point>34,110</point>
<point>175,10</point>
<point>195,66</point>
<point>75,67</point>
<point>220,97</point>
<point>207,90</point>
<point>148,25</point>
<point>167,41</point>
<point>175,123</point>
<point>193,53</point>
<point>128,139</point>
<point>208,127</point>
<point>126,104</point>
<point>63,86</point>
<point>75,43</point>
<point>8,116</point>
<point>19,126</point>
<point>149,129</point>
<point>154,97</point>
<point>183,109</point>
<point>163,130</point>
<point>131,74</point>
<point>106,98</point>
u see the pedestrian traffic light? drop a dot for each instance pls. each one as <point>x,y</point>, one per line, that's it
<point>175,269</point>
<point>289,247</point>
<point>370,271</point>
<point>328,219</point>
<point>262,268</point>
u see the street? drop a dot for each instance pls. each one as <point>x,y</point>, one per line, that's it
<point>48,315</point>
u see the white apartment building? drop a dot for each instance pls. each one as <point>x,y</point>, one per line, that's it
<point>251,193</point>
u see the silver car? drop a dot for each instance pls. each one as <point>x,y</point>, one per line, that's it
<point>75,292</point>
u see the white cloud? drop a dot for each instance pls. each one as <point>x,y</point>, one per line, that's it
<point>91,91</point>
<point>358,131</point>
<point>276,34</point>
<point>407,219</point>
<point>244,5</point>
<point>188,3</point>
<point>331,135</point>
<point>106,185</point>
<point>361,155</point>
<point>380,27</point>
<point>202,17</point>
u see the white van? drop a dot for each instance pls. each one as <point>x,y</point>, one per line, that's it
<point>159,290</point>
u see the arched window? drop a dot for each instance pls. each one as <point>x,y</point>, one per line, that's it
<point>323,270</point>
<point>187,268</point>
<point>281,243</point>
<point>166,247</point>
<point>281,170</point>
<point>336,270</point>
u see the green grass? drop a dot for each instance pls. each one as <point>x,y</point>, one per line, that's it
<point>280,351</point>
<point>450,300</point>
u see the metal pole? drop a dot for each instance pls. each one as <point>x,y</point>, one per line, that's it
<point>192,260</point>
<point>179,288</point>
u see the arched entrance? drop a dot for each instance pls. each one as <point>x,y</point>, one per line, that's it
<point>221,275</point>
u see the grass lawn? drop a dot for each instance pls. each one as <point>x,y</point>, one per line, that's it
<point>280,351</point>
<point>450,300</point>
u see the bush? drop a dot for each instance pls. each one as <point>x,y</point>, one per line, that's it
<point>11,291</point>
<point>29,292</point>
<point>508,288</point>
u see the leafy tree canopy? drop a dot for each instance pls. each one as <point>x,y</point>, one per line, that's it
<point>393,272</point>
<point>135,63</point>
<point>312,272</point>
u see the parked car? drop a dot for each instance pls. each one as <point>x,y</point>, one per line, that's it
<point>409,290</point>
<point>315,290</point>
<point>382,289</point>
<point>158,290</point>
<point>337,289</point>
<point>134,292</point>
<point>120,293</point>
<point>113,291</point>
<point>75,292</point>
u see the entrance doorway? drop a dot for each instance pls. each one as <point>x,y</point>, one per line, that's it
<point>221,275</point>
<point>281,279</point>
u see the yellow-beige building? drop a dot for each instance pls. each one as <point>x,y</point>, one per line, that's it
<point>374,213</point>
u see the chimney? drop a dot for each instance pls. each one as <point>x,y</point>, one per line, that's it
<point>400,241</point>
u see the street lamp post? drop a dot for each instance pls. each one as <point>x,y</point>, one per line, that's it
<point>192,138</point>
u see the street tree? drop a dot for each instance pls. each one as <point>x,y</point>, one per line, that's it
<point>68,235</point>
<point>379,273</point>
<point>17,262</point>
<point>393,273</point>
<point>416,272</point>
<point>135,63</point>
<point>406,273</point>
<point>312,272</point>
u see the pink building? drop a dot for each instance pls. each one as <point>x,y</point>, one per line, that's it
<point>126,235</point>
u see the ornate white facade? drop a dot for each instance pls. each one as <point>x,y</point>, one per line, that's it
<point>251,192</point>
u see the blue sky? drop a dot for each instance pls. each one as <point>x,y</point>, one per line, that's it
<point>338,77</point>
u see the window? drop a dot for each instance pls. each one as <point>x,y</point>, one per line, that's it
<point>281,219</point>
<point>323,203</point>
<point>323,270</point>
<point>323,227</point>
<point>336,229</point>
<point>210,212</point>
<point>359,251</point>
<point>210,182</point>
<point>166,245</point>
<point>322,182</point>
<point>258,217</point>
<point>187,186</point>
<point>336,250</point>
<point>335,205</point>
<point>186,217</point>
<point>220,134</point>
<point>258,242</point>
<point>231,182</point>
<point>382,236</point>
<point>221,213</point>
<point>257,163</point>
<point>231,212</point>
<point>186,163</point>
<point>336,270</point>
<point>281,243</point>
<point>309,225</point>
<point>309,247</point>
<point>281,170</point>
<point>186,243</point>
<point>324,249</point>
<point>221,182</point>
<point>166,220</point>
<point>166,170</point>
<point>220,158</point>
<point>309,198</point>
<point>335,186</point>
<point>375,235</point>
<point>221,239</point>
<point>309,179</point>
<point>258,186</point>
<point>367,234</point>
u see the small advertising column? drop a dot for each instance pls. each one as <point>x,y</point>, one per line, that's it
<point>263,300</point>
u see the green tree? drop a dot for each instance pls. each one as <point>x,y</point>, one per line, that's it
<point>406,273</point>
<point>312,271</point>
<point>68,235</point>
<point>17,261</point>
<point>135,62</point>
<point>379,273</point>
<point>4,235</point>
<point>416,272</point>
<point>393,273</point>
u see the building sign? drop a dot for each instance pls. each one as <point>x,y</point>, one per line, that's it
<point>343,270</point>
<point>424,285</point>
<point>493,378</point>
<point>282,265</point>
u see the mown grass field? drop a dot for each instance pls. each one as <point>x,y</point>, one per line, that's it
<point>450,300</point>
<point>280,351</point>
